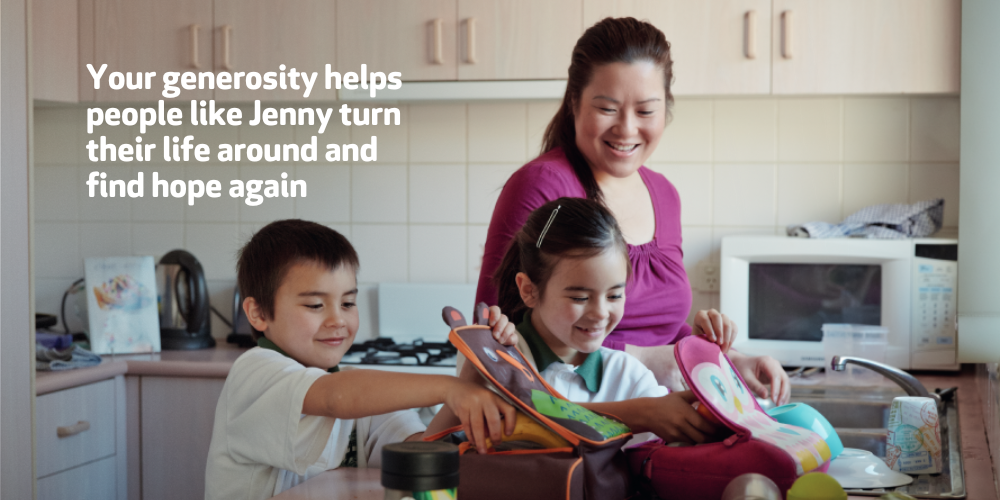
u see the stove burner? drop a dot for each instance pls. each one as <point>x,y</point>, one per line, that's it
<point>385,351</point>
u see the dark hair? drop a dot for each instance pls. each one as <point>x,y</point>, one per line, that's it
<point>264,261</point>
<point>582,228</point>
<point>611,40</point>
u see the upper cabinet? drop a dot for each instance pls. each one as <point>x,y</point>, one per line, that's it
<point>262,35</point>
<point>413,37</point>
<point>517,39</point>
<point>866,46</point>
<point>54,38</point>
<point>718,47</point>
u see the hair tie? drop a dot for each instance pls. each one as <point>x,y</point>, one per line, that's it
<point>546,228</point>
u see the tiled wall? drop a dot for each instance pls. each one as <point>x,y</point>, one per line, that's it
<point>420,214</point>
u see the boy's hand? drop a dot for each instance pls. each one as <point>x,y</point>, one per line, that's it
<point>503,330</point>
<point>480,410</point>
<point>674,419</point>
<point>715,327</point>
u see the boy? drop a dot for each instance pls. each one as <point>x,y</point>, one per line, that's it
<point>286,413</point>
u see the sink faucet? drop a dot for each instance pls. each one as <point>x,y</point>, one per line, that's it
<point>911,385</point>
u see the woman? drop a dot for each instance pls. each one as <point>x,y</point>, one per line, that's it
<point>612,116</point>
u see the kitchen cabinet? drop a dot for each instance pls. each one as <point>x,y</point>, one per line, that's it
<point>80,442</point>
<point>719,47</point>
<point>261,35</point>
<point>54,38</point>
<point>866,46</point>
<point>173,419</point>
<point>517,39</point>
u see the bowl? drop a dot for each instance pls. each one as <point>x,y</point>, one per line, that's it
<point>805,416</point>
<point>861,469</point>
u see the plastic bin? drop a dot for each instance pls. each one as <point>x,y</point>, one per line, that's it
<point>862,341</point>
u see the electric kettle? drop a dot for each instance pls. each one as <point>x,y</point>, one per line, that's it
<point>185,321</point>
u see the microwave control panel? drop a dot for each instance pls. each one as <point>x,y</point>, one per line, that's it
<point>934,314</point>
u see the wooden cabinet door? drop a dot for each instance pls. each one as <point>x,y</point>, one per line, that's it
<point>413,37</point>
<point>261,35</point>
<point>54,50</point>
<point>517,39</point>
<point>719,47</point>
<point>866,46</point>
<point>145,35</point>
<point>177,418</point>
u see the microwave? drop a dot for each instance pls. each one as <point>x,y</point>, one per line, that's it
<point>781,290</point>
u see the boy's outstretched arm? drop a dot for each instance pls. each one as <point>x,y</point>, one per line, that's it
<point>670,417</point>
<point>362,393</point>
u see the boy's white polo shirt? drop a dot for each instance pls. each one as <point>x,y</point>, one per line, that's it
<point>262,444</point>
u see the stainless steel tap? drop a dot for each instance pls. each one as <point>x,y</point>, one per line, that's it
<point>908,382</point>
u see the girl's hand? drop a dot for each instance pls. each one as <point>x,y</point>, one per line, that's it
<point>715,327</point>
<point>480,411</point>
<point>677,421</point>
<point>760,370</point>
<point>503,330</point>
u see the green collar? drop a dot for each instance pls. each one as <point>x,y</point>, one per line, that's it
<point>266,343</point>
<point>592,369</point>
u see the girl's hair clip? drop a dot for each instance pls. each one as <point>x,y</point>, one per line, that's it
<point>546,228</point>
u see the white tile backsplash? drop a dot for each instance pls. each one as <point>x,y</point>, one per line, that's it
<point>421,212</point>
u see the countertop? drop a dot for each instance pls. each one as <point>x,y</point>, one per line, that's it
<point>206,363</point>
<point>364,484</point>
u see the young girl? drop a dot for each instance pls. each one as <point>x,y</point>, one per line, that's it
<point>563,281</point>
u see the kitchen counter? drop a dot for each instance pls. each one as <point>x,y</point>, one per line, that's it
<point>206,363</point>
<point>363,484</point>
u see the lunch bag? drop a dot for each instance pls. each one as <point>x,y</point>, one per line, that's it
<point>559,450</point>
<point>757,444</point>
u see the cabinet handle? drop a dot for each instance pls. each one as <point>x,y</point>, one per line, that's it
<point>750,44</point>
<point>470,40</point>
<point>71,430</point>
<point>194,46</point>
<point>786,34</point>
<point>226,31</point>
<point>436,56</point>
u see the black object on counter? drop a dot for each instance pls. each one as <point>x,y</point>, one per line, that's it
<point>184,307</point>
<point>419,466</point>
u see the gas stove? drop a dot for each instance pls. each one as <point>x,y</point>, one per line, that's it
<point>417,356</point>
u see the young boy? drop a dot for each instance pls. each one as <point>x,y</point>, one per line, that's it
<point>286,413</point>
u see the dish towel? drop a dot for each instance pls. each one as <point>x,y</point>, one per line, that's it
<point>66,359</point>
<point>893,221</point>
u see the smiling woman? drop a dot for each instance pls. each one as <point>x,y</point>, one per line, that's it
<point>616,106</point>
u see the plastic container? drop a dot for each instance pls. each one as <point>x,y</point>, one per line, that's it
<point>805,416</point>
<point>862,341</point>
<point>420,470</point>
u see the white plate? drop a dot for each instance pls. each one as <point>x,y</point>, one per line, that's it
<point>856,468</point>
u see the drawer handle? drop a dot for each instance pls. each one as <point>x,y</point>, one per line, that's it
<point>786,34</point>
<point>72,430</point>
<point>470,40</point>
<point>226,33</point>
<point>750,43</point>
<point>194,46</point>
<point>437,56</point>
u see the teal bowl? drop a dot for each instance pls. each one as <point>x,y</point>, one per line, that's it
<point>805,416</point>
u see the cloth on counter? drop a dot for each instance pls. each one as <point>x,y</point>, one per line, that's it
<point>66,359</point>
<point>53,340</point>
<point>891,221</point>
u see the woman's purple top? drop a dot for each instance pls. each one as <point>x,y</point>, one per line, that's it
<point>658,298</point>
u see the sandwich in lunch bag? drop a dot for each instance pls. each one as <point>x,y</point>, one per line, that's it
<point>755,441</point>
<point>559,450</point>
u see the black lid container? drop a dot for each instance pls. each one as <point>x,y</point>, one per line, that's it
<point>420,466</point>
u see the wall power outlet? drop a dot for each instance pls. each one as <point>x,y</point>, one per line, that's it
<point>707,278</point>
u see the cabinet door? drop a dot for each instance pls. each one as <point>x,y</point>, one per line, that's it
<point>517,39</point>
<point>177,418</point>
<point>718,47</point>
<point>261,35</point>
<point>146,35</point>
<point>413,37</point>
<point>54,49</point>
<point>866,46</point>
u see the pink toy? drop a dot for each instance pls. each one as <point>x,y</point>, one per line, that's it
<point>758,444</point>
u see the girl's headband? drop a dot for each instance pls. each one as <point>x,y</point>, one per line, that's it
<point>546,228</point>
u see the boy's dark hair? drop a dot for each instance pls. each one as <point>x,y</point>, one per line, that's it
<point>582,228</point>
<point>264,261</point>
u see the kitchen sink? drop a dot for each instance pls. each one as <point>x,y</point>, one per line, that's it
<point>860,416</point>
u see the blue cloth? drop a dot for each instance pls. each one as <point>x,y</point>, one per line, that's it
<point>66,359</point>
<point>54,340</point>
<point>893,221</point>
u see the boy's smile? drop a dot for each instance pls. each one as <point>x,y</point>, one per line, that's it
<point>315,315</point>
